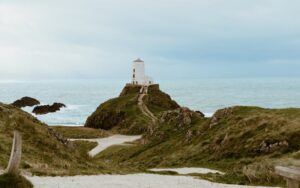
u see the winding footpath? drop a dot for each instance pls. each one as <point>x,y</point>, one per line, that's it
<point>142,106</point>
<point>141,180</point>
<point>104,143</point>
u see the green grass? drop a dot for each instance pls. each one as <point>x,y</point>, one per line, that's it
<point>122,114</point>
<point>80,132</point>
<point>42,153</point>
<point>231,145</point>
<point>11,181</point>
<point>83,147</point>
<point>119,115</point>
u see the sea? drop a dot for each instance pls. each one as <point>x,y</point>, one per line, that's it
<point>82,97</point>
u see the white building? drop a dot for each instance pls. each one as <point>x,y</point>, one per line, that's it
<point>139,77</point>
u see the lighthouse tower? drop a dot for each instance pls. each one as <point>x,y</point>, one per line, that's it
<point>138,75</point>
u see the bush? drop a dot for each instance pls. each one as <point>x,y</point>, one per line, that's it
<point>12,181</point>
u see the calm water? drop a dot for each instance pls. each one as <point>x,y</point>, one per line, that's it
<point>207,95</point>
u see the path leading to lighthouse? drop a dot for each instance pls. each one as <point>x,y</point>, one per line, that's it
<point>104,143</point>
<point>144,109</point>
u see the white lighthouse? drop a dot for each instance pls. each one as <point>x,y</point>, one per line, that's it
<point>138,76</point>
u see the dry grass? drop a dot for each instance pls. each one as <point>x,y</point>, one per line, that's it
<point>43,154</point>
<point>80,132</point>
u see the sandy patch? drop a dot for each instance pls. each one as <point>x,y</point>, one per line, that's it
<point>187,170</point>
<point>104,143</point>
<point>126,181</point>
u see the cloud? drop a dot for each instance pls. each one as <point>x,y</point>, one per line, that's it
<point>192,38</point>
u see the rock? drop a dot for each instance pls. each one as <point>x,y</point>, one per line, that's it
<point>106,120</point>
<point>181,116</point>
<point>26,101</point>
<point>58,136</point>
<point>45,109</point>
<point>220,114</point>
<point>130,89</point>
<point>270,145</point>
<point>200,113</point>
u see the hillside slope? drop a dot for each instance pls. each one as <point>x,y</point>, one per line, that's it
<point>245,142</point>
<point>123,115</point>
<point>44,151</point>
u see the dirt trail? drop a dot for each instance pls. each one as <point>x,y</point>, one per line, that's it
<point>144,109</point>
<point>104,143</point>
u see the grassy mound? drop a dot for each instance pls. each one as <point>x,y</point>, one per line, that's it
<point>11,181</point>
<point>244,142</point>
<point>122,114</point>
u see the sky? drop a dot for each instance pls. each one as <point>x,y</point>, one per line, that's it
<point>74,39</point>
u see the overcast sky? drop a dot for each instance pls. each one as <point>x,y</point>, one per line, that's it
<point>177,38</point>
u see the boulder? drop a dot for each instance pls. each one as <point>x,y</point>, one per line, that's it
<point>220,114</point>
<point>45,109</point>
<point>26,101</point>
<point>181,116</point>
<point>271,145</point>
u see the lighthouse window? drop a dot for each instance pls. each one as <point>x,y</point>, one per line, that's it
<point>133,70</point>
<point>133,75</point>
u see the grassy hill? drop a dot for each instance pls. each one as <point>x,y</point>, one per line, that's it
<point>123,115</point>
<point>245,142</point>
<point>44,151</point>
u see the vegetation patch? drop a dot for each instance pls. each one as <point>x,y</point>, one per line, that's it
<point>12,181</point>
<point>80,132</point>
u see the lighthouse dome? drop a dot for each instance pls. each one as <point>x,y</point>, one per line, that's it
<point>138,60</point>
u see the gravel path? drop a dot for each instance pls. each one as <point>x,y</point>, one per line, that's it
<point>126,181</point>
<point>104,143</point>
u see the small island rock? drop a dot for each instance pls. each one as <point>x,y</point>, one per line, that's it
<point>26,101</point>
<point>45,109</point>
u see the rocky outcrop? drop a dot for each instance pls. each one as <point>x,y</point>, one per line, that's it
<point>107,120</point>
<point>124,112</point>
<point>271,145</point>
<point>26,101</point>
<point>45,109</point>
<point>181,116</point>
<point>161,99</point>
<point>130,89</point>
<point>58,136</point>
<point>220,114</point>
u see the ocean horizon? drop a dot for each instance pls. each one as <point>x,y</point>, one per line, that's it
<point>83,96</point>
